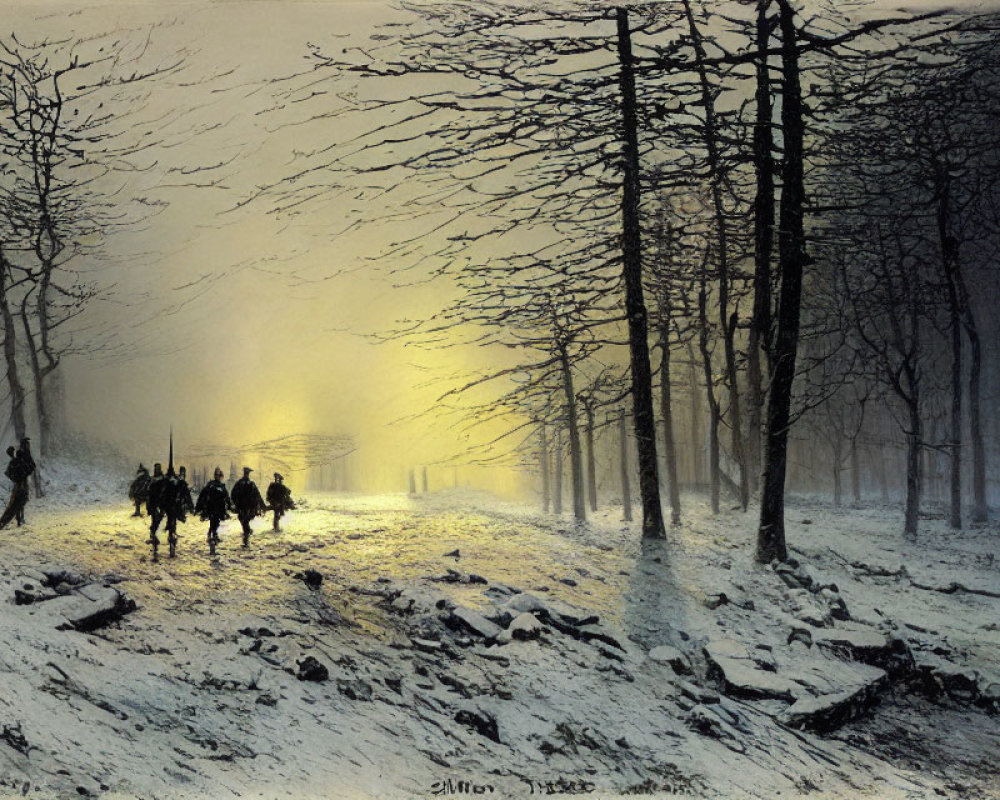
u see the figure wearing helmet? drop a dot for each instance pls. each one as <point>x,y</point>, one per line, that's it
<point>176,503</point>
<point>138,490</point>
<point>155,500</point>
<point>248,503</point>
<point>213,505</point>
<point>184,502</point>
<point>279,498</point>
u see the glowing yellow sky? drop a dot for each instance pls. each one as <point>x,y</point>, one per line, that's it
<point>263,341</point>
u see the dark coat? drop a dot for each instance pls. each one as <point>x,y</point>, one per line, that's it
<point>156,497</point>
<point>14,470</point>
<point>279,497</point>
<point>139,488</point>
<point>213,501</point>
<point>21,466</point>
<point>165,495</point>
<point>27,462</point>
<point>246,498</point>
<point>184,503</point>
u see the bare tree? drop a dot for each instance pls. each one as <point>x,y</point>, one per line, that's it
<point>503,141</point>
<point>797,40</point>
<point>66,108</point>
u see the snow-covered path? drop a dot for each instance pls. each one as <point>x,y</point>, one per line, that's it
<point>195,693</point>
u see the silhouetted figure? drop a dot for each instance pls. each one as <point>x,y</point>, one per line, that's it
<point>174,503</point>
<point>213,503</point>
<point>28,467</point>
<point>279,498</point>
<point>138,490</point>
<point>154,503</point>
<point>18,470</point>
<point>11,472</point>
<point>248,503</point>
<point>185,503</point>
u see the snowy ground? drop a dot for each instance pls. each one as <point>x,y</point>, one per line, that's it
<point>196,694</point>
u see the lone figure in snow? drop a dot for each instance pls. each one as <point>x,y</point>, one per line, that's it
<point>20,468</point>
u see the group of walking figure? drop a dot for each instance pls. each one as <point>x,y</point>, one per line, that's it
<point>167,496</point>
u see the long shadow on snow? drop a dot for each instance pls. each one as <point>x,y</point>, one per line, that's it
<point>654,605</point>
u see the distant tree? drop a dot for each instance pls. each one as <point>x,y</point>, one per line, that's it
<point>891,303</point>
<point>917,143</point>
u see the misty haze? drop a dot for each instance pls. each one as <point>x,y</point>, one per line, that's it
<point>478,398</point>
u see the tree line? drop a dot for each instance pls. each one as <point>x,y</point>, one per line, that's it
<point>788,202</point>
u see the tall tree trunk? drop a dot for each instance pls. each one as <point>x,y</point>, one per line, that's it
<point>949,260</point>
<point>928,470</point>
<point>591,460</point>
<point>36,377</point>
<point>10,354</point>
<point>698,472</point>
<point>635,307</point>
<point>43,345</point>
<point>557,494</point>
<point>413,482</point>
<point>666,412</point>
<point>955,434</point>
<point>838,457</point>
<point>423,480</point>
<point>855,471</point>
<point>714,478</point>
<point>883,475</point>
<point>980,512</point>
<point>543,457</point>
<point>575,455</point>
<point>792,259</point>
<point>913,448</point>
<point>727,322</point>
<point>760,325</point>
<point>626,486</point>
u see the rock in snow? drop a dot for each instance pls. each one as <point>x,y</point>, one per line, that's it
<point>741,678</point>
<point>665,654</point>
<point>311,670</point>
<point>484,724</point>
<point>524,627</point>
<point>829,711</point>
<point>91,607</point>
<point>867,645</point>
<point>355,690</point>
<point>311,578</point>
<point>465,619</point>
<point>525,602</point>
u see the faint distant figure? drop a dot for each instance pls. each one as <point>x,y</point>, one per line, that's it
<point>213,505</point>
<point>19,469</point>
<point>279,498</point>
<point>138,490</point>
<point>248,503</point>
